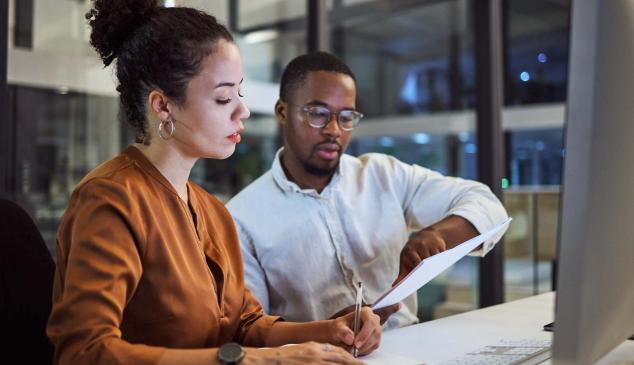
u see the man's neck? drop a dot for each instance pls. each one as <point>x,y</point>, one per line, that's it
<point>296,173</point>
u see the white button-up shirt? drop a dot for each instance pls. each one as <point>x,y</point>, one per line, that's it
<point>304,251</point>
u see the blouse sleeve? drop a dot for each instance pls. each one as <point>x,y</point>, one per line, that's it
<point>254,325</point>
<point>99,268</point>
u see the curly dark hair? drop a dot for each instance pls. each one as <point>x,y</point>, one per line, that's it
<point>300,66</point>
<point>154,47</point>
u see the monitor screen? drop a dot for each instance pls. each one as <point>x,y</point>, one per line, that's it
<point>595,295</point>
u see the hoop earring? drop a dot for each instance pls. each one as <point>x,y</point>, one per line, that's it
<point>169,125</point>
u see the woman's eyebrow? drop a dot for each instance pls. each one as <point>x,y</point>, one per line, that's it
<point>231,84</point>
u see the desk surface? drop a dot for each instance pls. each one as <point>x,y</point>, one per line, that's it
<point>447,338</point>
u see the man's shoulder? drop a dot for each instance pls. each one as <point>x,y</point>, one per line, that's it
<point>258,189</point>
<point>372,161</point>
<point>376,158</point>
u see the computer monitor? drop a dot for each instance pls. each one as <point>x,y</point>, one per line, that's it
<point>595,289</point>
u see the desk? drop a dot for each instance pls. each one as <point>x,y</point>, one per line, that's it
<point>447,338</point>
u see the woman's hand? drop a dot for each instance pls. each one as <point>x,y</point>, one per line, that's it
<point>369,337</point>
<point>305,353</point>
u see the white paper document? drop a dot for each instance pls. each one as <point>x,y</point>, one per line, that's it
<point>430,267</point>
<point>378,358</point>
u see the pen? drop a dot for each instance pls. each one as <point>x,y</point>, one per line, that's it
<point>357,316</point>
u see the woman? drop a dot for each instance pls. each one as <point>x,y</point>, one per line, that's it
<point>149,267</point>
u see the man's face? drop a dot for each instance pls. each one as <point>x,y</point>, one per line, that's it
<point>318,150</point>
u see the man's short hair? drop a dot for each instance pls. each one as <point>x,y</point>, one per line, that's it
<point>296,71</point>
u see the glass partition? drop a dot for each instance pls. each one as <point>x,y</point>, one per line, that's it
<point>416,84</point>
<point>415,67</point>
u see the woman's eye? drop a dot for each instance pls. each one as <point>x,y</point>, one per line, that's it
<point>240,94</point>
<point>223,101</point>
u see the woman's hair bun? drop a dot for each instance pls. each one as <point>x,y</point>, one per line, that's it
<point>113,21</point>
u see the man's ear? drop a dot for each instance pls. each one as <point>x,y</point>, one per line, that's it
<point>281,111</point>
<point>157,103</point>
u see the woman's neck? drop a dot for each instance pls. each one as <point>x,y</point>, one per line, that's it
<point>172,164</point>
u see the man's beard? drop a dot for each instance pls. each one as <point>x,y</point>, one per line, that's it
<point>320,171</point>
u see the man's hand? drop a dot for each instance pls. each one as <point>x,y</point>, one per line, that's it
<point>420,246</point>
<point>383,313</point>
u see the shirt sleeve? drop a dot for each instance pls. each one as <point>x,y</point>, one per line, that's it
<point>254,324</point>
<point>254,275</point>
<point>99,268</point>
<point>428,197</point>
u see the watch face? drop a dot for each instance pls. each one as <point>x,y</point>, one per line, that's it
<point>230,353</point>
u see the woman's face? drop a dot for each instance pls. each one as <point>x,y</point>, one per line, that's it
<point>209,123</point>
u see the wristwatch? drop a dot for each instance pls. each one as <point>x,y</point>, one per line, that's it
<point>230,353</point>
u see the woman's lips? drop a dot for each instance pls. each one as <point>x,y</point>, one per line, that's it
<point>235,138</point>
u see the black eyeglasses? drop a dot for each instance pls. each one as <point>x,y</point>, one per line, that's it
<point>320,116</point>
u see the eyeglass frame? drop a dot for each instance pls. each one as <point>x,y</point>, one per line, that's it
<point>305,109</point>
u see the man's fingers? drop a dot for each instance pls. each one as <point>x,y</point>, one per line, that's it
<point>425,251</point>
<point>438,248</point>
<point>398,278</point>
<point>410,258</point>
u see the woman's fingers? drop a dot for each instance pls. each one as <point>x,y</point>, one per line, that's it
<point>369,335</point>
<point>338,355</point>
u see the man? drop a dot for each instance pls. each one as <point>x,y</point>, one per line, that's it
<point>320,220</point>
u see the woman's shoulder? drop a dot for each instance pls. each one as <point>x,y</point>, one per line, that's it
<point>116,179</point>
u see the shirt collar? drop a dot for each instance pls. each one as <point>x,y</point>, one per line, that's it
<point>287,185</point>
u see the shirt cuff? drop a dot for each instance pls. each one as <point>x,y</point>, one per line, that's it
<point>482,225</point>
<point>259,331</point>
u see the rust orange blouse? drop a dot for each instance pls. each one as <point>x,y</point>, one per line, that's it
<point>139,271</point>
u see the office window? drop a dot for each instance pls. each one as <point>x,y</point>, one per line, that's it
<point>536,40</point>
<point>409,57</point>
<point>64,108</point>
<point>269,34</point>
<point>60,136</point>
<point>536,50</point>
<point>416,84</point>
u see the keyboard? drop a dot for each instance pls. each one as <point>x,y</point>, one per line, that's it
<point>507,352</point>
